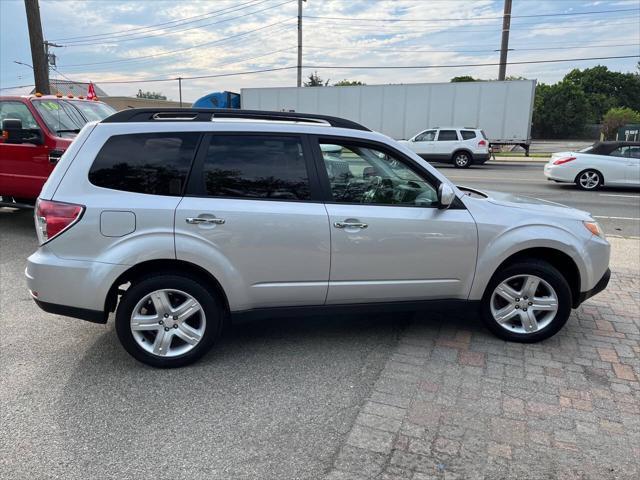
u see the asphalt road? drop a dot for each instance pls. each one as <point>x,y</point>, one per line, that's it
<point>616,209</point>
<point>274,400</point>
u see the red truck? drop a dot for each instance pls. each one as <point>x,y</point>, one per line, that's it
<point>36,130</point>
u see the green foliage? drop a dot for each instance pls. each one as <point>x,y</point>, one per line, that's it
<point>315,81</point>
<point>560,110</point>
<point>151,95</point>
<point>348,83</point>
<point>464,78</point>
<point>616,118</point>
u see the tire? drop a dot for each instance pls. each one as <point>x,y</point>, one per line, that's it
<point>552,288</point>
<point>589,180</point>
<point>461,160</point>
<point>199,321</point>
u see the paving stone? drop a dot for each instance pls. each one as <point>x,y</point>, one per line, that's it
<point>454,402</point>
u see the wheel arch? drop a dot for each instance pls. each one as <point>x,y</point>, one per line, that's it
<point>556,258</point>
<point>463,150</point>
<point>174,266</point>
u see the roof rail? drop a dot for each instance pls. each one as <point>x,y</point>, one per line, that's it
<point>210,114</point>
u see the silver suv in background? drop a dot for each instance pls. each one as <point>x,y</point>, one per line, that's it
<point>182,220</point>
<point>462,147</point>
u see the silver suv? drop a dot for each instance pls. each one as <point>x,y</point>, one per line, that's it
<point>183,220</point>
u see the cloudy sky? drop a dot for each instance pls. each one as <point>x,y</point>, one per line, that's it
<point>125,40</point>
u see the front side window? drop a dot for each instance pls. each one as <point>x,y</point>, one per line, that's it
<point>152,163</point>
<point>359,174</point>
<point>428,136</point>
<point>447,136</point>
<point>634,152</point>
<point>468,134</point>
<point>256,166</point>
<point>18,111</point>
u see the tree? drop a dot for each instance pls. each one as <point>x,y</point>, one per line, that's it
<point>616,118</point>
<point>315,81</point>
<point>606,89</point>
<point>348,83</point>
<point>464,78</point>
<point>560,110</point>
<point>151,95</point>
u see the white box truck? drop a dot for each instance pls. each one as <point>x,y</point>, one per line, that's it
<point>502,109</point>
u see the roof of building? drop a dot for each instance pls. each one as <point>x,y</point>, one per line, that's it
<point>67,87</point>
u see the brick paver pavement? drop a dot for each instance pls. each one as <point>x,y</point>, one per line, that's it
<point>454,402</point>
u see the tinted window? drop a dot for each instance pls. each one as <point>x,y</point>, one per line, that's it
<point>428,136</point>
<point>368,176</point>
<point>634,152</point>
<point>256,166</point>
<point>154,163</point>
<point>447,135</point>
<point>467,134</point>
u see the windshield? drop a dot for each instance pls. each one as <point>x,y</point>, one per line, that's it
<point>67,117</point>
<point>93,111</point>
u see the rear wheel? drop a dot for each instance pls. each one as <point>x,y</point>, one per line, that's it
<point>461,160</point>
<point>526,302</point>
<point>589,180</point>
<point>168,320</point>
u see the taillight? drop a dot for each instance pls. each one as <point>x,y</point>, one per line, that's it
<point>53,218</point>
<point>560,161</point>
<point>482,143</point>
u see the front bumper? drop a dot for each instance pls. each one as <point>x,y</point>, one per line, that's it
<point>600,286</point>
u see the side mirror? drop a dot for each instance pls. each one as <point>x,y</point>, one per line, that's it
<point>12,130</point>
<point>446,195</point>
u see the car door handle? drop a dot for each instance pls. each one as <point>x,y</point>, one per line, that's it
<point>350,225</point>
<point>201,220</point>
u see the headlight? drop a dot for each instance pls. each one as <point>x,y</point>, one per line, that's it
<point>594,228</point>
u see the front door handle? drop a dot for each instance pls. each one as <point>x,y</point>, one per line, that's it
<point>201,220</point>
<point>350,225</point>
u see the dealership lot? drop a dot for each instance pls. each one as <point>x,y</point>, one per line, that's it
<point>350,397</point>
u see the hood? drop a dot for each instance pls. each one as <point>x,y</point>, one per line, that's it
<point>536,205</point>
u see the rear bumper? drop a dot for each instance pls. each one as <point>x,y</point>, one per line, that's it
<point>481,157</point>
<point>600,286</point>
<point>95,316</point>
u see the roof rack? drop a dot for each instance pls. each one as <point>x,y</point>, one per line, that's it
<point>212,114</point>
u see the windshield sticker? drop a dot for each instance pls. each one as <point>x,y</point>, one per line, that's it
<point>51,105</point>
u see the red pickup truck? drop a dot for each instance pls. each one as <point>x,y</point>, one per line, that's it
<point>36,130</point>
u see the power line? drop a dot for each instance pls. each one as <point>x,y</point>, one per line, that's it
<point>171,52</point>
<point>248,72</point>
<point>395,50</point>
<point>182,21</point>
<point>163,32</point>
<point>468,19</point>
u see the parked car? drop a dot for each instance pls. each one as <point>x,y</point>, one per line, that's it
<point>36,131</point>
<point>461,146</point>
<point>182,220</point>
<point>615,164</point>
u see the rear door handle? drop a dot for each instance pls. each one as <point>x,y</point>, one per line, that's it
<point>350,225</point>
<point>201,220</point>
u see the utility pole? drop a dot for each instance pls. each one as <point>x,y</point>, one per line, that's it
<point>38,54</point>
<point>180,89</point>
<point>300,42</point>
<point>504,47</point>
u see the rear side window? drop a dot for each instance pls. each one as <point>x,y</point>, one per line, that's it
<point>153,163</point>
<point>447,135</point>
<point>256,166</point>
<point>467,134</point>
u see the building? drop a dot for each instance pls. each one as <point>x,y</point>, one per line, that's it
<point>67,87</point>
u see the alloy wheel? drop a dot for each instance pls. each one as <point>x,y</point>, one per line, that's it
<point>168,323</point>
<point>589,180</point>
<point>461,160</point>
<point>524,304</point>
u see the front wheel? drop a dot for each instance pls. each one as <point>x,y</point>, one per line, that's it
<point>589,180</point>
<point>168,320</point>
<point>461,160</point>
<point>526,302</point>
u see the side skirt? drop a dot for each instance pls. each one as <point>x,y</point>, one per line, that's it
<point>352,308</point>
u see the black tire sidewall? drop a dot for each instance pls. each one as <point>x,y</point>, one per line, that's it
<point>211,306</point>
<point>548,273</point>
